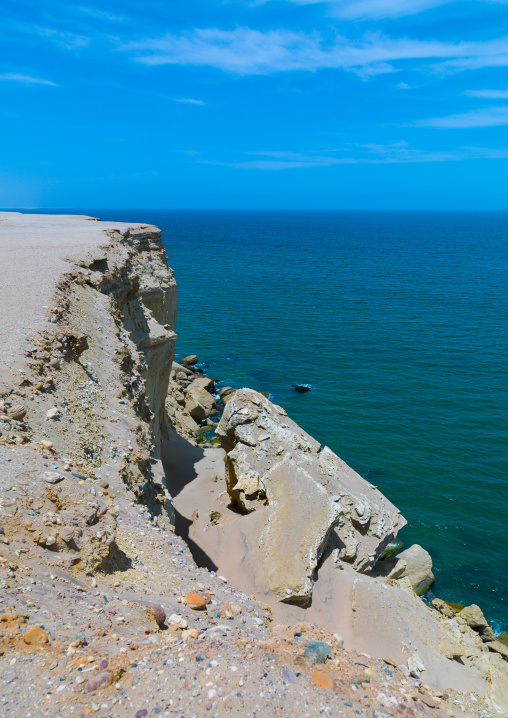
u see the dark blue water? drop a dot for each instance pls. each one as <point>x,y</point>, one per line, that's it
<point>399,321</point>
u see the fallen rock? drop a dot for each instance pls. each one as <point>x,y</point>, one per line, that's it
<point>309,495</point>
<point>17,412</point>
<point>475,619</point>
<point>428,700</point>
<point>317,651</point>
<point>498,647</point>
<point>226,612</point>
<point>204,383</point>
<point>101,679</point>
<point>52,477</point>
<point>415,665</point>
<point>199,402</point>
<point>473,616</point>
<point>35,637</point>
<point>443,608</point>
<point>66,534</point>
<point>189,360</point>
<point>226,393</point>
<point>178,621</point>
<point>156,611</point>
<point>414,563</point>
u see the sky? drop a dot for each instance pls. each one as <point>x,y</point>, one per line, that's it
<point>254,104</point>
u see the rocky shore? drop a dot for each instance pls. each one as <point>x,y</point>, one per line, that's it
<point>169,548</point>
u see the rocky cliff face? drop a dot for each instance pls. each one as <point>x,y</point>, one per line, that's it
<point>133,272</point>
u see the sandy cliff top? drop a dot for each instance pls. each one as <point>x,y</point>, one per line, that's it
<point>34,254</point>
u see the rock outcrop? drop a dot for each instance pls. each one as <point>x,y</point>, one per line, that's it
<point>312,497</point>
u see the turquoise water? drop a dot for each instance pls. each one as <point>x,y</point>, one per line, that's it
<point>399,322</point>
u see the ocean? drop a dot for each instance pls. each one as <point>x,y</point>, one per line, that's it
<point>399,322</point>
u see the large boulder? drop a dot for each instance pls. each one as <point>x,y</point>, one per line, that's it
<point>414,563</point>
<point>311,497</point>
<point>205,383</point>
<point>190,360</point>
<point>473,616</point>
<point>199,402</point>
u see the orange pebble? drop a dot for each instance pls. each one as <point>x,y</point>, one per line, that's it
<point>322,680</point>
<point>195,601</point>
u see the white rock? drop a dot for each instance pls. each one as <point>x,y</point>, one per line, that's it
<point>415,665</point>
<point>52,477</point>
<point>339,639</point>
<point>178,621</point>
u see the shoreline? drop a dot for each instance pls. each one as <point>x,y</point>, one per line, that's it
<point>203,441</point>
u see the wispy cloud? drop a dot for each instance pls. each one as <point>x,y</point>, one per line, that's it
<point>189,101</point>
<point>66,40</point>
<point>244,51</point>
<point>490,117</point>
<point>290,160</point>
<point>489,94</point>
<point>25,79</point>
<point>101,14</point>
<point>395,153</point>
<point>373,9</point>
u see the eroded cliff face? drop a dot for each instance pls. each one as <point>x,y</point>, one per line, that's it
<point>133,272</point>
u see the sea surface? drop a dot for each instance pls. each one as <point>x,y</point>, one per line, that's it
<point>399,322</point>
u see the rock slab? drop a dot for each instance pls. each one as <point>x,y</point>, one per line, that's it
<point>311,497</point>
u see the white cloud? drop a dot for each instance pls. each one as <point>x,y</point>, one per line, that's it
<point>489,94</point>
<point>396,153</point>
<point>190,101</point>
<point>101,14</point>
<point>249,52</point>
<point>25,79</point>
<point>374,9</point>
<point>491,117</point>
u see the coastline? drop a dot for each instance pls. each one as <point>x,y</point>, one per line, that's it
<point>103,363</point>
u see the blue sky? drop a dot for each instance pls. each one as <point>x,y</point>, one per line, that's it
<point>254,104</point>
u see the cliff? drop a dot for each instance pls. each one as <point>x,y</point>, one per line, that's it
<point>102,603</point>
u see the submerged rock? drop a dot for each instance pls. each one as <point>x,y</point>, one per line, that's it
<point>301,388</point>
<point>311,497</point>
